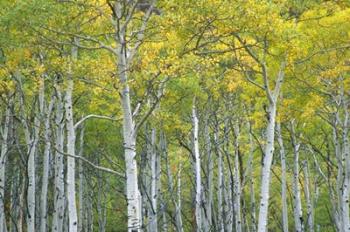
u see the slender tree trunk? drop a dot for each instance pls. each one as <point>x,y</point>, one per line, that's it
<point>70,178</point>
<point>237,183</point>
<point>346,156</point>
<point>32,140</point>
<point>283,178</point>
<point>129,134</point>
<point>82,194</point>
<point>228,210</point>
<point>298,215</point>
<point>46,168</point>
<point>197,168</point>
<point>309,201</point>
<point>210,173</point>
<point>251,181</point>
<point>3,154</point>
<point>266,168</point>
<point>220,183</point>
<point>59,193</point>
<point>154,183</point>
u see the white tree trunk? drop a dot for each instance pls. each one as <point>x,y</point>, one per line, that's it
<point>3,154</point>
<point>70,179</point>
<point>32,140</point>
<point>46,167</point>
<point>197,168</point>
<point>298,214</point>
<point>132,190</point>
<point>309,201</point>
<point>220,183</point>
<point>266,169</point>
<point>272,97</point>
<point>249,175</point>
<point>154,183</point>
<point>59,193</point>
<point>283,178</point>
<point>237,183</point>
<point>346,156</point>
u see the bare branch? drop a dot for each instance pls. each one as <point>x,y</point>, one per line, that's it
<point>92,164</point>
<point>94,116</point>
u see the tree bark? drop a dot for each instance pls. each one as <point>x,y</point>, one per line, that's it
<point>70,178</point>
<point>298,214</point>
<point>46,167</point>
<point>272,97</point>
<point>198,212</point>
<point>237,183</point>
<point>283,178</point>
<point>309,201</point>
<point>3,154</point>
<point>59,195</point>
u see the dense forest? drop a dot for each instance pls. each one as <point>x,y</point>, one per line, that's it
<point>174,115</point>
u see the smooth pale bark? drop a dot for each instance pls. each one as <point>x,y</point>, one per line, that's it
<point>198,198</point>
<point>338,209</point>
<point>266,169</point>
<point>237,183</point>
<point>32,140</point>
<point>309,201</point>
<point>46,167</point>
<point>154,183</point>
<point>162,204</point>
<point>346,156</point>
<point>129,135</point>
<point>248,177</point>
<point>133,195</point>
<point>272,97</point>
<point>283,178</point>
<point>3,154</point>
<point>298,214</point>
<point>70,178</point>
<point>122,15</point>
<point>59,193</point>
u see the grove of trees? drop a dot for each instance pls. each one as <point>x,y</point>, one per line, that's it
<point>174,115</point>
